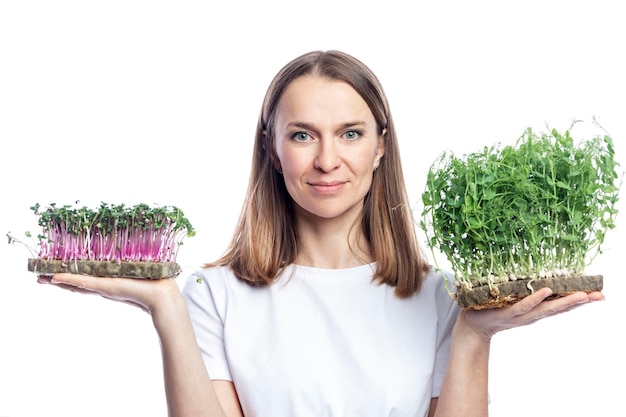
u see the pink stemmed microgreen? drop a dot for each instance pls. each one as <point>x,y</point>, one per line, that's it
<point>115,233</point>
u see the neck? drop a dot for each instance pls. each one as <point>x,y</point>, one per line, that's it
<point>331,243</point>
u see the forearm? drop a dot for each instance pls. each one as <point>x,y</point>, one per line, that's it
<point>188,388</point>
<point>465,387</point>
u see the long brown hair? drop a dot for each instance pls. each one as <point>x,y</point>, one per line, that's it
<point>265,240</point>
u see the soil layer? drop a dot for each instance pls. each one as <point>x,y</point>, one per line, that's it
<point>507,293</point>
<point>147,270</point>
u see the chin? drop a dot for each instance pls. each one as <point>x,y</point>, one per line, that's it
<point>328,213</point>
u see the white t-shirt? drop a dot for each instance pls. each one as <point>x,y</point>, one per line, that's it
<point>323,342</point>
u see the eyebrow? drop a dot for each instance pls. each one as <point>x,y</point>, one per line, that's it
<point>309,126</point>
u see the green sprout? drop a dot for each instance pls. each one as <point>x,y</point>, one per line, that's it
<point>541,207</point>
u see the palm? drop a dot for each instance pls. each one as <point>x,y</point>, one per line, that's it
<point>142,293</point>
<point>535,307</point>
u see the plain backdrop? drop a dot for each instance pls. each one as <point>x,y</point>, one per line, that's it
<point>156,102</point>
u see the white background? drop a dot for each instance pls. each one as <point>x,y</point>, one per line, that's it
<point>156,102</point>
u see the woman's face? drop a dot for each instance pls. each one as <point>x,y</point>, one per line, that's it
<point>327,145</point>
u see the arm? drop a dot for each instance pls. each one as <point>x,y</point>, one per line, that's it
<point>433,406</point>
<point>465,386</point>
<point>189,390</point>
<point>188,387</point>
<point>464,389</point>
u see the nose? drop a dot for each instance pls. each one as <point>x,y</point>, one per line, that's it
<point>328,157</point>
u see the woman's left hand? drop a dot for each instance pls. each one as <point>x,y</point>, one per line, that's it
<point>486,323</point>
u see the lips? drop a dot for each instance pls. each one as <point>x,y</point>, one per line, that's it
<point>327,187</point>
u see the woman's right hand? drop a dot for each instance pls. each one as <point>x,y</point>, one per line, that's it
<point>188,387</point>
<point>146,294</point>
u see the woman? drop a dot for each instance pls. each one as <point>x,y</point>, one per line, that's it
<point>323,304</point>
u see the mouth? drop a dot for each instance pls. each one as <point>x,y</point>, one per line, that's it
<point>330,187</point>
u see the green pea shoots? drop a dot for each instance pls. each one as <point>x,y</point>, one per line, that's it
<point>540,207</point>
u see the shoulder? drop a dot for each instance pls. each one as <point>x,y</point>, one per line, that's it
<point>442,281</point>
<point>439,285</point>
<point>214,275</point>
<point>207,282</point>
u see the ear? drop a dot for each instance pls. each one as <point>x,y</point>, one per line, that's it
<point>380,150</point>
<point>272,153</point>
<point>277,165</point>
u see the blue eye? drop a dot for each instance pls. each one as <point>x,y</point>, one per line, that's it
<point>352,134</point>
<point>300,136</point>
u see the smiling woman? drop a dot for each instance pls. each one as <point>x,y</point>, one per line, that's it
<point>296,104</point>
<point>327,144</point>
<point>141,101</point>
<point>324,264</point>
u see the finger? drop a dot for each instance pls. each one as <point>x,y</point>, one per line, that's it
<point>536,306</point>
<point>114,288</point>
<point>48,280</point>
<point>561,305</point>
<point>142,293</point>
<point>76,280</point>
<point>596,296</point>
<point>530,302</point>
<point>592,298</point>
